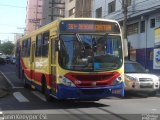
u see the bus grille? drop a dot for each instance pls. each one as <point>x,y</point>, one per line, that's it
<point>92,80</point>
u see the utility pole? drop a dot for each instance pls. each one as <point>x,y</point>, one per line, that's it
<point>82,8</point>
<point>124,5</point>
<point>52,3</point>
<point>125,11</point>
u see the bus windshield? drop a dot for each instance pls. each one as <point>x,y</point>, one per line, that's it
<point>88,52</point>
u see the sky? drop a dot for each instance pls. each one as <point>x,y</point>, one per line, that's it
<point>12,18</point>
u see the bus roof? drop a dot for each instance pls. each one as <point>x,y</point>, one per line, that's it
<point>98,19</point>
<point>56,22</point>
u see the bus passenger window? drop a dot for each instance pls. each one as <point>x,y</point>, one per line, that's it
<point>29,47</point>
<point>26,47</point>
<point>45,44</point>
<point>38,45</point>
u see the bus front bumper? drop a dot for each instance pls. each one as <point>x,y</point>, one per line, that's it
<point>65,92</point>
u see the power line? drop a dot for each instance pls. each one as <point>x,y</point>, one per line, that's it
<point>10,25</point>
<point>11,33</point>
<point>148,9</point>
<point>23,7</point>
<point>5,5</point>
<point>142,2</point>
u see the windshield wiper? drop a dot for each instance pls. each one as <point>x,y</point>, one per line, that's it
<point>78,37</point>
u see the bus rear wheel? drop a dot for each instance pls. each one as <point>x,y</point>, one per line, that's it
<point>44,90</point>
<point>24,81</point>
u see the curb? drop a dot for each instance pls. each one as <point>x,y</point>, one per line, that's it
<point>158,94</point>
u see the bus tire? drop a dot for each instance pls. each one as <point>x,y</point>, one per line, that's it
<point>44,90</point>
<point>24,81</point>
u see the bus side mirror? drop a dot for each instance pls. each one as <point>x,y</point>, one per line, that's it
<point>125,47</point>
<point>57,45</point>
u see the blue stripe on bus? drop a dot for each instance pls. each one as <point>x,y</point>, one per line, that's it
<point>65,92</point>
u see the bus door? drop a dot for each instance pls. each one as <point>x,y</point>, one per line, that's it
<point>33,61</point>
<point>53,66</point>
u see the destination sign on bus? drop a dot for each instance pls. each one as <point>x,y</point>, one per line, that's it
<point>89,26</point>
<point>96,27</point>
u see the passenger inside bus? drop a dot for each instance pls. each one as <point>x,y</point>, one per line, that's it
<point>99,49</point>
<point>99,52</point>
<point>84,55</point>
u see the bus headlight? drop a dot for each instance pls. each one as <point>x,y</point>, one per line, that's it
<point>65,81</point>
<point>118,80</point>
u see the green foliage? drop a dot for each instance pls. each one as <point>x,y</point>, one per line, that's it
<point>7,47</point>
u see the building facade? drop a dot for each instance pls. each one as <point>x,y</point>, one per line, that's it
<point>34,15</point>
<point>52,10</point>
<point>143,17</point>
<point>78,8</point>
<point>70,6</point>
<point>42,12</point>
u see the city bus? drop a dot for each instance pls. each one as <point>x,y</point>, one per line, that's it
<point>74,58</point>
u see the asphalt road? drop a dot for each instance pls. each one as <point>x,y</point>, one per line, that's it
<point>26,104</point>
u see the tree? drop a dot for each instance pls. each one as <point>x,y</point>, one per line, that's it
<point>7,47</point>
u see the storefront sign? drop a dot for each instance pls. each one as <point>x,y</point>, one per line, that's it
<point>157,37</point>
<point>156,59</point>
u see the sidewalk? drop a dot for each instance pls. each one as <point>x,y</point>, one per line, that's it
<point>5,87</point>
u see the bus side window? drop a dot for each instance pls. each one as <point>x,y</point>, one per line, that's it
<point>53,51</point>
<point>29,47</point>
<point>26,47</point>
<point>38,45</point>
<point>45,44</point>
<point>23,48</point>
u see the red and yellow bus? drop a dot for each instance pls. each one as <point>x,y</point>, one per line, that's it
<point>74,58</point>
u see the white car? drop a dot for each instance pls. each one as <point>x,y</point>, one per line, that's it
<point>137,79</point>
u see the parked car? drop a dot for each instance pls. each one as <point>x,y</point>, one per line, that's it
<point>13,60</point>
<point>7,59</point>
<point>2,60</point>
<point>138,79</point>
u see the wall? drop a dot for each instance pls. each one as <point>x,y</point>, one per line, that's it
<point>34,15</point>
<point>68,6</point>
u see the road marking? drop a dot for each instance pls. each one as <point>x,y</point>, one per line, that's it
<point>39,95</point>
<point>20,97</point>
<point>8,81</point>
<point>12,85</point>
<point>18,87</point>
<point>1,115</point>
<point>154,109</point>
